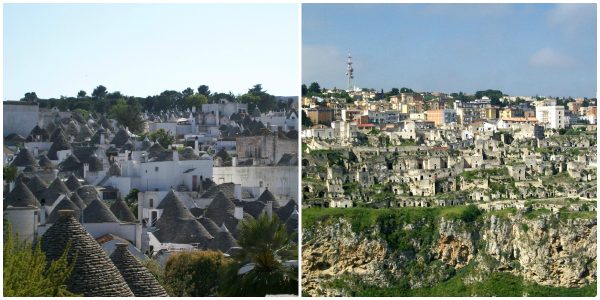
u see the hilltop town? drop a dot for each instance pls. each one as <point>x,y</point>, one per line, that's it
<point>403,172</point>
<point>132,182</point>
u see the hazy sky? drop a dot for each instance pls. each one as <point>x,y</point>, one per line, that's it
<point>519,49</point>
<point>144,49</point>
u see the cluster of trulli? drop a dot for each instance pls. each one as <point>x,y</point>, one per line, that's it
<point>177,224</point>
<point>95,274</point>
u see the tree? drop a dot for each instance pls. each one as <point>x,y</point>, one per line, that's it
<point>265,243</point>
<point>187,92</point>
<point>406,90</point>
<point>9,173</point>
<point>204,90</point>
<point>30,97</point>
<point>195,100</point>
<point>26,272</point>
<point>99,92</point>
<point>194,273</point>
<point>132,196</point>
<point>304,90</point>
<point>162,137</point>
<point>314,89</point>
<point>127,115</point>
<point>81,94</point>
<point>394,92</point>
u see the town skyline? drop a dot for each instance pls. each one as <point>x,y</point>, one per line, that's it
<point>466,47</point>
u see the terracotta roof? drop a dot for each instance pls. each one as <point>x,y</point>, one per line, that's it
<point>141,282</point>
<point>93,274</point>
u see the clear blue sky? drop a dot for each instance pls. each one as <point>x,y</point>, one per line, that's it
<point>520,49</point>
<point>144,49</point>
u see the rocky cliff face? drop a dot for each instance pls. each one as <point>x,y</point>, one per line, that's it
<point>545,250</point>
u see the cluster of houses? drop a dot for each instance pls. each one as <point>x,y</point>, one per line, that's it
<point>393,153</point>
<point>135,197</point>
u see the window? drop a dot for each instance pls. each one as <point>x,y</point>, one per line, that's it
<point>156,169</point>
<point>151,203</point>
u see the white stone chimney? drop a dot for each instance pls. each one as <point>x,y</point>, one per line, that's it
<point>269,209</point>
<point>11,186</point>
<point>239,212</point>
<point>102,138</point>
<point>35,151</point>
<point>234,161</point>
<point>196,150</point>
<point>237,191</point>
<point>175,155</point>
<point>86,169</point>
<point>55,172</point>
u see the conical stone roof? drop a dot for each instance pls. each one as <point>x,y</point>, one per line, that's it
<point>285,211</point>
<point>95,163</point>
<point>56,188</point>
<point>94,274</point>
<point>210,226</point>
<point>37,186</point>
<point>98,212</point>
<point>71,164</point>
<point>45,162</point>
<point>223,240</point>
<point>77,200</point>
<point>88,193</point>
<point>177,224</point>
<point>120,138</point>
<point>141,282</point>
<point>267,196</point>
<point>221,210</point>
<point>36,132</point>
<point>59,144</point>
<point>67,204</point>
<point>121,211</point>
<point>72,183</point>
<point>291,224</point>
<point>24,158</point>
<point>21,196</point>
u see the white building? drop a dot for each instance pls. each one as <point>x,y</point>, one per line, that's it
<point>552,116</point>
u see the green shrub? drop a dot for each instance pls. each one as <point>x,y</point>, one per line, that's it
<point>194,273</point>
